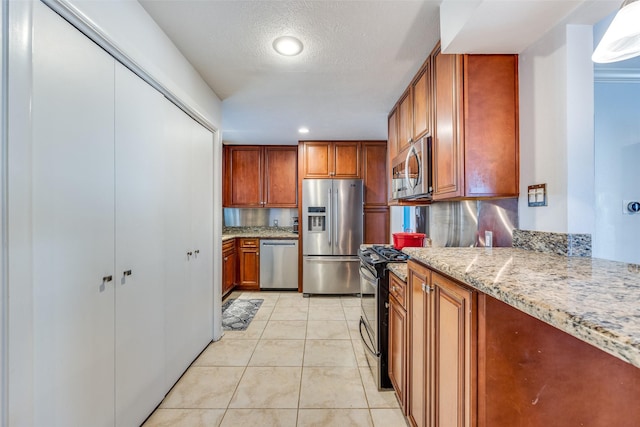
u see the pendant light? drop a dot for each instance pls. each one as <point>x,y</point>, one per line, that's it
<point>622,39</point>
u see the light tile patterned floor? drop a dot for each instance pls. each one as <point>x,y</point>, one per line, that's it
<point>300,363</point>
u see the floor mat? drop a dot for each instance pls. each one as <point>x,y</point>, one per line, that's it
<point>238,313</point>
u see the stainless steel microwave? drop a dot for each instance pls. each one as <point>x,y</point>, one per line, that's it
<point>411,173</point>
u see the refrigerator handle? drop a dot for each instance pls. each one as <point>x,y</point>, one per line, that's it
<point>329,213</point>
<point>335,237</point>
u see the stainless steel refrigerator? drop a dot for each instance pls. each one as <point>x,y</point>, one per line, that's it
<point>331,235</point>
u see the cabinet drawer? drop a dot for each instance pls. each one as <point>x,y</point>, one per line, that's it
<point>249,243</point>
<point>228,245</point>
<point>397,288</point>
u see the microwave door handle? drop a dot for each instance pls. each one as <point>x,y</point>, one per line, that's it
<point>406,171</point>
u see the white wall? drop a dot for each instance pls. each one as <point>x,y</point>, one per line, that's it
<point>617,149</point>
<point>127,24</point>
<point>556,122</point>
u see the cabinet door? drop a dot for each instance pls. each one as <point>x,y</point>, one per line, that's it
<point>317,159</point>
<point>421,90</point>
<point>398,350</point>
<point>346,155</point>
<point>419,389</point>
<point>281,177</point>
<point>374,173</point>
<point>243,175</point>
<point>455,355</point>
<point>448,142</point>
<point>376,225</point>
<point>249,269</point>
<point>392,136</point>
<point>140,166</point>
<point>229,264</point>
<point>72,226</point>
<point>405,121</point>
<point>491,155</point>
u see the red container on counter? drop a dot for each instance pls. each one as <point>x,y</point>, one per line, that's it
<point>413,240</point>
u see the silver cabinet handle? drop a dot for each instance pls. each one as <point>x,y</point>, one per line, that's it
<point>127,273</point>
<point>106,279</point>
<point>257,253</point>
<point>226,259</point>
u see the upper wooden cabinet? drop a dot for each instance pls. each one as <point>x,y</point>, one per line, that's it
<point>475,144</point>
<point>374,173</point>
<point>392,136</point>
<point>330,159</point>
<point>261,176</point>
<point>421,98</point>
<point>405,120</point>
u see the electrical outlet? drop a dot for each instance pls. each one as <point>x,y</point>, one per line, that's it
<point>488,239</point>
<point>275,222</point>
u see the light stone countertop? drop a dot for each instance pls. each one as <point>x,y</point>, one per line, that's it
<point>594,300</point>
<point>399,269</point>
<point>258,232</point>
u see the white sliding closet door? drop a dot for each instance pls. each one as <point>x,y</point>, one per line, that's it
<point>180,350</point>
<point>73,226</point>
<point>202,233</point>
<point>139,279</point>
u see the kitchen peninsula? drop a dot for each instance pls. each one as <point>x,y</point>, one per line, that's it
<point>542,339</point>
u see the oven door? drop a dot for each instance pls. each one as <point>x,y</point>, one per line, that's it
<point>369,303</point>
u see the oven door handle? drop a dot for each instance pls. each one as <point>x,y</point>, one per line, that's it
<point>366,344</point>
<point>367,275</point>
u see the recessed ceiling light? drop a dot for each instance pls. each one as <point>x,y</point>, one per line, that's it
<point>303,130</point>
<point>287,45</point>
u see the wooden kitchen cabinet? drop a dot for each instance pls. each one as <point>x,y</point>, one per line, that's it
<point>229,266</point>
<point>392,135</point>
<point>330,159</point>
<point>398,335</point>
<point>421,101</point>
<point>374,176</point>
<point>261,176</point>
<point>475,137</point>
<point>249,264</point>
<point>405,120</point>
<point>419,313</point>
<point>442,350</point>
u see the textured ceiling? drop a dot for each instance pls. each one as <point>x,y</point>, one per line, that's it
<point>358,56</point>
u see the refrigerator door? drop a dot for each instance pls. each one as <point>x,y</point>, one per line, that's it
<point>347,220</point>
<point>330,275</point>
<point>317,199</point>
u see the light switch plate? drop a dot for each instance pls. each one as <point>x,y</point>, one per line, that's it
<point>537,195</point>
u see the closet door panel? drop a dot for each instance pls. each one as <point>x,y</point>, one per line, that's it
<point>178,243</point>
<point>202,235</point>
<point>73,226</point>
<point>139,171</point>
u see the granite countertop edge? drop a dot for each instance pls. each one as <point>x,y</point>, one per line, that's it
<point>229,233</point>
<point>553,294</point>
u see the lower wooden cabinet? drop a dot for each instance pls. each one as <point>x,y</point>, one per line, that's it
<point>442,350</point>
<point>229,266</point>
<point>249,262</point>
<point>398,330</point>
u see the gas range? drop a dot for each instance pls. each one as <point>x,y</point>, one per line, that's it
<point>377,256</point>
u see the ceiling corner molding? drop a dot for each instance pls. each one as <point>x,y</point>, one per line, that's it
<point>616,75</point>
<point>85,25</point>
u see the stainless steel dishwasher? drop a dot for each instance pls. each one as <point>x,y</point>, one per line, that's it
<point>278,264</point>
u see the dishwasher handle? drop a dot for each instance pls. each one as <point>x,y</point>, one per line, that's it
<point>278,243</point>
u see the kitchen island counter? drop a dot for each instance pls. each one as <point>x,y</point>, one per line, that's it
<point>594,300</point>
